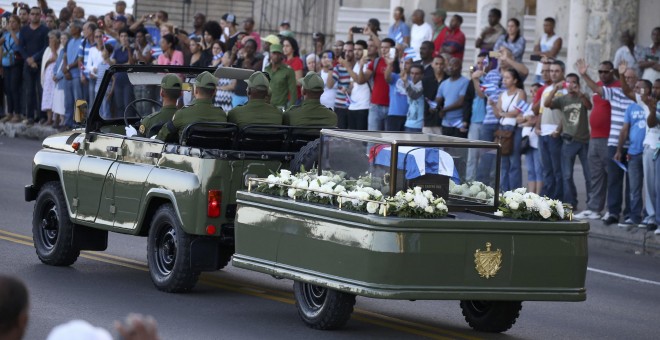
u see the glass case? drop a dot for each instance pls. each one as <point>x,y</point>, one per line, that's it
<point>464,172</point>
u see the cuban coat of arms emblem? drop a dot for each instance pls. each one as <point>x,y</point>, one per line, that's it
<point>488,262</point>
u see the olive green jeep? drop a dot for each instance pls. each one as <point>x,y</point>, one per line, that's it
<point>181,195</point>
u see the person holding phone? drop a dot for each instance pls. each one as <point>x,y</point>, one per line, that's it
<point>380,94</point>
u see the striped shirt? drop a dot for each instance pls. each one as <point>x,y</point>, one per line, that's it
<point>493,87</point>
<point>342,81</point>
<point>620,104</point>
<point>83,52</point>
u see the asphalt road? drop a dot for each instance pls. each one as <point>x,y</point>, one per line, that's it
<point>623,291</point>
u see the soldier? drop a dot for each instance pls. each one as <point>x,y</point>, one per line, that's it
<point>256,111</point>
<point>311,112</point>
<point>202,110</point>
<point>170,91</point>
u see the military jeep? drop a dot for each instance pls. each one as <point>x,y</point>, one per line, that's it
<point>179,194</point>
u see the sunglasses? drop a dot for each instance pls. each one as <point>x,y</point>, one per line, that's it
<point>604,71</point>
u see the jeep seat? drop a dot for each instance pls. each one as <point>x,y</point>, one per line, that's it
<point>262,138</point>
<point>299,136</point>
<point>209,135</point>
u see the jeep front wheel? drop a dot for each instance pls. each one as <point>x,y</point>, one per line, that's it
<point>322,308</point>
<point>52,230</point>
<point>168,253</point>
<point>491,316</point>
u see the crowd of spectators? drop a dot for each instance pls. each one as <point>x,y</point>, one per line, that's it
<point>410,78</point>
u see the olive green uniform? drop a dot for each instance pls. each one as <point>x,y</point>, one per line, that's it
<point>161,117</point>
<point>283,85</point>
<point>310,113</point>
<point>255,111</point>
<point>202,110</point>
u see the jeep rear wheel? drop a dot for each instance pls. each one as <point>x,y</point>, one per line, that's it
<point>168,253</point>
<point>52,230</point>
<point>491,316</point>
<point>322,308</point>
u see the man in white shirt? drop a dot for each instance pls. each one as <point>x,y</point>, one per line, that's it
<point>420,31</point>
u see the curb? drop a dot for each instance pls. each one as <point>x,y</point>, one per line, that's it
<point>634,240</point>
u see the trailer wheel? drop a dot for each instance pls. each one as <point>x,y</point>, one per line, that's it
<point>168,253</point>
<point>491,316</point>
<point>322,308</point>
<point>52,230</point>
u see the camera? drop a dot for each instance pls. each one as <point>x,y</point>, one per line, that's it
<point>357,29</point>
<point>535,57</point>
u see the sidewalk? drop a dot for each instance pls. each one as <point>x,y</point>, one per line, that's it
<point>633,240</point>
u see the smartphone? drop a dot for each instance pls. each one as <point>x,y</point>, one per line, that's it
<point>357,29</point>
<point>535,57</point>
<point>392,53</point>
<point>471,69</point>
<point>494,54</point>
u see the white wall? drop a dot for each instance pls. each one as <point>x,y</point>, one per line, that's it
<point>95,7</point>
<point>649,11</point>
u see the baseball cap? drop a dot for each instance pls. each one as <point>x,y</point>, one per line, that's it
<point>206,80</point>
<point>285,22</point>
<point>318,35</point>
<point>272,39</point>
<point>286,34</point>
<point>276,48</point>
<point>170,82</point>
<point>230,18</point>
<point>258,80</point>
<point>375,23</point>
<point>440,13</point>
<point>312,81</point>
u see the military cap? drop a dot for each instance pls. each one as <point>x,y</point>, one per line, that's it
<point>258,81</point>
<point>312,81</point>
<point>206,80</point>
<point>440,13</point>
<point>170,82</point>
<point>276,48</point>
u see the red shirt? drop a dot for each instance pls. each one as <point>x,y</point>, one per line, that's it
<point>440,39</point>
<point>380,95</point>
<point>539,93</point>
<point>455,40</point>
<point>601,114</point>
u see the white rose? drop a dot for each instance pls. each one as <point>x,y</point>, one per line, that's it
<point>428,194</point>
<point>421,201</point>
<point>418,190</point>
<point>498,213</point>
<point>482,195</point>
<point>323,179</point>
<point>441,207</point>
<point>521,191</point>
<point>545,213</point>
<point>377,194</point>
<point>409,196</point>
<point>474,190</point>
<point>490,191</point>
<point>429,209</point>
<point>292,192</point>
<point>285,174</point>
<point>412,204</point>
<point>530,204</point>
<point>372,207</point>
<point>302,184</point>
<point>514,205</point>
<point>314,185</point>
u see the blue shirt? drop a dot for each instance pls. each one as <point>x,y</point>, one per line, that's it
<point>72,48</point>
<point>398,32</point>
<point>636,117</point>
<point>33,43</point>
<point>9,47</point>
<point>478,110</point>
<point>451,90</point>
<point>398,100</point>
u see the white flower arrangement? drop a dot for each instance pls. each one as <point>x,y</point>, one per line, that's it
<point>335,189</point>
<point>473,190</point>
<point>524,205</point>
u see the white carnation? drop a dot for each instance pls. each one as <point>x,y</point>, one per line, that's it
<point>521,191</point>
<point>429,209</point>
<point>482,195</point>
<point>530,204</point>
<point>372,207</point>
<point>412,204</point>
<point>285,174</point>
<point>302,184</point>
<point>421,201</point>
<point>428,194</point>
<point>409,196</point>
<point>339,189</point>
<point>418,190</point>
<point>474,190</point>
<point>441,207</point>
<point>314,185</point>
<point>292,192</point>
<point>490,191</point>
<point>514,205</point>
<point>323,179</point>
<point>545,213</point>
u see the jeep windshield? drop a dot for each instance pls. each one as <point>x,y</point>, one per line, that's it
<point>128,92</point>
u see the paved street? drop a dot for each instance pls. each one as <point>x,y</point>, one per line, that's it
<point>623,291</point>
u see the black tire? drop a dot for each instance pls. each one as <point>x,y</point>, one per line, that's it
<point>52,230</point>
<point>307,157</point>
<point>491,316</point>
<point>322,308</point>
<point>224,256</point>
<point>168,253</point>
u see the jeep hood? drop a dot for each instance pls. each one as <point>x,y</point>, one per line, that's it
<point>62,141</point>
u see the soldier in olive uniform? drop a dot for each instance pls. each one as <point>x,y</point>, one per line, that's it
<point>311,112</point>
<point>202,109</point>
<point>170,91</point>
<point>256,111</point>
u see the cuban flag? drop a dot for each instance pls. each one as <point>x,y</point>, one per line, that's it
<point>410,53</point>
<point>419,161</point>
<point>488,88</point>
<point>523,106</point>
<point>398,38</point>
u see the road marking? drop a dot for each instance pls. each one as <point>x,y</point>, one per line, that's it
<point>631,278</point>
<point>365,316</point>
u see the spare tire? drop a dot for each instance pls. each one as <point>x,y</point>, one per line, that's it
<point>307,157</point>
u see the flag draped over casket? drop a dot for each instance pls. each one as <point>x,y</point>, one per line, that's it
<point>419,161</point>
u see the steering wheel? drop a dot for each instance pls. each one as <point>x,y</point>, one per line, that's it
<point>155,102</point>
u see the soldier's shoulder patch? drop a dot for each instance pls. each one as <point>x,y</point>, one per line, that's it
<point>142,129</point>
